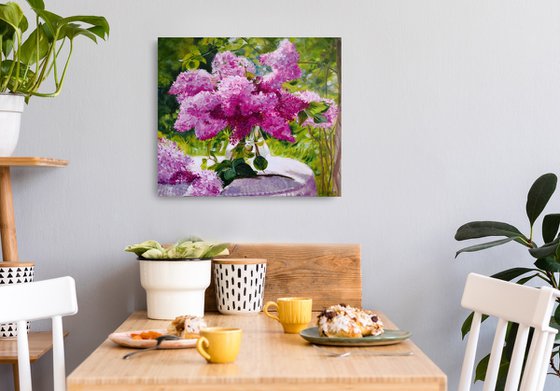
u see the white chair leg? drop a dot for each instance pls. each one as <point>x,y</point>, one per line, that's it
<point>24,365</point>
<point>470,353</point>
<point>59,372</point>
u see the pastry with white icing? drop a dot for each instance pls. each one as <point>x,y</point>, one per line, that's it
<point>342,320</point>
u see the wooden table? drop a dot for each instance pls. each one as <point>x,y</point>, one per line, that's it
<point>269,359</point>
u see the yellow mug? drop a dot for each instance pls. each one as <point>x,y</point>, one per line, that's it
<point>219,345</point>
<point>294,313</point>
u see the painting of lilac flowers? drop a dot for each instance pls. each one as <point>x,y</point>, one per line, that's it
<point>249,117</point>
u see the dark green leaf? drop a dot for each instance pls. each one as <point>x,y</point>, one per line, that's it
<point>260,163</point>
<point>481,229</point>
<point>229,174</point>
<point>244,170</point>
<point>238,161</point>
<point>550,264</point>
<point>550,226</point>
<point>523,281</point>
<point>539,195</point>
<point>482,246</point>
<point>510,274</point>
<point>546,250</point>
<point>557,316</point>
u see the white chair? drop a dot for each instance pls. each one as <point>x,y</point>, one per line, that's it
<point>510,302</point>
<point>39,300</point>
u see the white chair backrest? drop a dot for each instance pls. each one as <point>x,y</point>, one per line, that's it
<point>39,300</point>
<point>510,302</point>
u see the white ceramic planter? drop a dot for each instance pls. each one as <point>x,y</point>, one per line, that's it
<point>239,285</point>
<point>175,287</point>
<point>11,107</point>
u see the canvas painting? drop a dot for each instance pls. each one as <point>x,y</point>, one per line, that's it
<point>249,117</point>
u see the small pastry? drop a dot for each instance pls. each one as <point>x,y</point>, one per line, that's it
<point>187,326</point>
<point>342,320</point>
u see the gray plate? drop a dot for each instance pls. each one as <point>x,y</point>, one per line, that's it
<point>389,337</point>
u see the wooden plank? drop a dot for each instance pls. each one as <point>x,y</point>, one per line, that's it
<point>268,359</point>
<point>32,161</point>
<point>40,342</point>
<point>328,273</point>
<point>7,218</point>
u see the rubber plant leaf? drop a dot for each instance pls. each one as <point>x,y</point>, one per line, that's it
<point>483,246</point>
<point>539,195</point>
<point>481,229</point>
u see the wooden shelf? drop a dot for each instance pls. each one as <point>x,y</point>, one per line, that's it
<point>40,342</point>
<point>32,161</point>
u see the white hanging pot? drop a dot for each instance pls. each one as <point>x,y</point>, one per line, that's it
<point>11,107</point>
<point>175,287</point>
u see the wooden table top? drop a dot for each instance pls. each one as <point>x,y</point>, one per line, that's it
<point>268,359</point>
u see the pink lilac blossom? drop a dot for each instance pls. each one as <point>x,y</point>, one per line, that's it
<point>199,112</point>
<point>171,160</point>
<point>330,115</point>
<point>191,83</point>
<point>175,167</point>
<point>228,64</point>
<point>284,64</point>
<point>237,101</point>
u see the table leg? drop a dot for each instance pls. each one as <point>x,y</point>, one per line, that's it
<point>15,374</point>
<point>7,219</point>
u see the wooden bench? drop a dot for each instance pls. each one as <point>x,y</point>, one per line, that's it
<point>328,273</point>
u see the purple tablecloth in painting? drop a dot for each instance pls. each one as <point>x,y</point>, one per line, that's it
<point>283,177</point>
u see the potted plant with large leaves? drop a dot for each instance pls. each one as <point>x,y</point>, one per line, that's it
<point>175,277</point>
<point>28,58</point>
<point>545,263</point>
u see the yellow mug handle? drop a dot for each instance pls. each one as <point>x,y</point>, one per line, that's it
<point>201,344</point>
<point>271,304</point>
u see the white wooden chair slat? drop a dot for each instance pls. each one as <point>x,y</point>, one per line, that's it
<point>24,302</point>
<point>531,308</point>
<point>495,356</point>
<point>514,373</point>
<point>470,353</point>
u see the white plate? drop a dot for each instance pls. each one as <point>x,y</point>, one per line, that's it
<point>125,339</point>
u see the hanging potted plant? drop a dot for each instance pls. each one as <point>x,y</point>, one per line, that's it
<point>28,58</point>
<point>175,277</point>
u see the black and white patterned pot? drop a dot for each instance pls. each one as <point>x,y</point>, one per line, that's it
<point>239,285</point>
<point>14,273</point>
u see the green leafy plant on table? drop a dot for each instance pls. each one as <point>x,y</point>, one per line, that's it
<point>26,62</point>
<point>546,264</point>
<point>190,248</point>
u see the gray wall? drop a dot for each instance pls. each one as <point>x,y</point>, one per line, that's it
<point>450,112</point>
